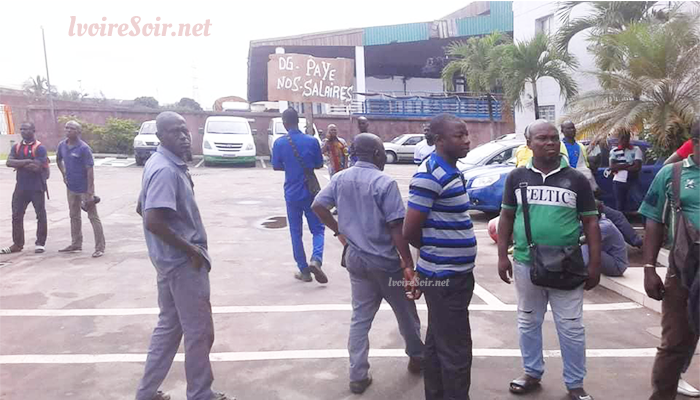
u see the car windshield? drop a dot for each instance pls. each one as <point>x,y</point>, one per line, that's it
<point>228,127</point>
<point>279,126</point>
<point>475,156</point>
<point>397,139</point>
<point>148,128</point>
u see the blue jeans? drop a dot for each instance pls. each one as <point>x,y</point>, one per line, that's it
<point>621,191</point>
<point>567,308</point>
<point>295,212</point>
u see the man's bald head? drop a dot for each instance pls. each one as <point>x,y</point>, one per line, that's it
<point>568,129</point>
<point>541,125</point>
<point>369,148</point>
<point>73,130</point>
<point>74,124</point>
<point>27,129</point>
<point>544,140</point>
<point>363,124</point>
<point>173,133</point>
<point>332,130</point>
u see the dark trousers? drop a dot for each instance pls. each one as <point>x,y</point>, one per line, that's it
<point>621,192</point>
<point>448,343</point>
<point>20,201</point>
<point>677,340</point>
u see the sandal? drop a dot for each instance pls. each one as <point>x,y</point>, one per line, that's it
<point>524,384</point>
<point>10,250</point>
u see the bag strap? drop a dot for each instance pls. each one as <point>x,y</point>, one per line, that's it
<point>526,212</point>
<point>676,186</point>
<point>296,151</point>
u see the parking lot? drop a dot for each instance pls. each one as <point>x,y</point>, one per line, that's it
<point>73,327</point>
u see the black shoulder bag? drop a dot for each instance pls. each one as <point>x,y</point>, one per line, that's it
<point>553,266</point>
<point>310,179</point>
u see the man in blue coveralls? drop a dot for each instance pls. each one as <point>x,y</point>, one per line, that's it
<point>294,153</point>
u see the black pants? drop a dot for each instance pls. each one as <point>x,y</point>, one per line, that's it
<point>20,201</point>
<point>448,343</point>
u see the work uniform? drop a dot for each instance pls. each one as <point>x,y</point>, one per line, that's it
<point>183,291</point>
<point>296,194</point>
<point>368,200</point>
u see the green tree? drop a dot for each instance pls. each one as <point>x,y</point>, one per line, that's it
<point>526,62</point>
<point>478,61</point>
<point>146,101</point>
<point>654,87</point>
<point>189,104</point>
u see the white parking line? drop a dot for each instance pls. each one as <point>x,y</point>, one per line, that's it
<point>487,296</point>
<point>295,355</point>
<point>92,312</point>
<point>199,163</point>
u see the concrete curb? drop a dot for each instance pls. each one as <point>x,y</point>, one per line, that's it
<point>631,284</point>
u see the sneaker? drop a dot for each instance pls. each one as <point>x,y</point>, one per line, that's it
<point>303,276</point>
<point>359,387</point>
<point>161,396</point>
<point>221,396</point>
<point>39,249</point>
<point>71,249</point>
<point>415,365</point>
<point>687,389</point>
<point>315,269</point>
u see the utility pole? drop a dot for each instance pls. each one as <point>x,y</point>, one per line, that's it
<point>48,82</point>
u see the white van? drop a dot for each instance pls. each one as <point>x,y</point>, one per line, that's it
<point>276,131</point>
<point>228,140</point>
<point>146,143</point>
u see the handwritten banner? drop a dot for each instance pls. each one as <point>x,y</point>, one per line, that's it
<point>303,78</point>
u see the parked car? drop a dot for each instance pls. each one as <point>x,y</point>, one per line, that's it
<point>491,153</point>
<point>276,131</point>
<point>146,142</point>
<point>228,140</point>
<point>485,184</point>
<point>402,147</point>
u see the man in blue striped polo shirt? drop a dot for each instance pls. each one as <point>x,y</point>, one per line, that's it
<point>438,223</point>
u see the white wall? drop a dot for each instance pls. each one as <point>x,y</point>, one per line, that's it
<point>524,16</point>
<point>395,84</point>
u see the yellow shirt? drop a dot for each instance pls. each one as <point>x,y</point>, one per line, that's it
<point>524,154</point>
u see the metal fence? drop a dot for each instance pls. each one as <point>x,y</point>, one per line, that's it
<point>466,107</point>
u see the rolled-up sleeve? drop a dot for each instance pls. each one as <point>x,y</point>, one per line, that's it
<point>161,190</point>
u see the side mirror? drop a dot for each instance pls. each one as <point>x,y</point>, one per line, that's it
<point>269,132</point>
<point>201,131</point>
<point>136,132</point>
<point>255,131</point>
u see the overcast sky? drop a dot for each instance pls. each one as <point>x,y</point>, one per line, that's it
<point>168,68</point>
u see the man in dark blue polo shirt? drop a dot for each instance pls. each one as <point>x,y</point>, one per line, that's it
<point>29,159</point>
<point>288,154</point>
<point>74,159</point>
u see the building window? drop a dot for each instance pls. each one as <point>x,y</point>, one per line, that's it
<point>543,25</point>
<point>547,112</point>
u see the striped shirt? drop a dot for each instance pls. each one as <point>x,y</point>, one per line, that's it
<point>448,244</point>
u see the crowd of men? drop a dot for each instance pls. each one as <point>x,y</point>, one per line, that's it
<point>547,203</point>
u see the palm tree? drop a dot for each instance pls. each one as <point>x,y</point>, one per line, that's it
<point>477,61</point>
<point>608,17</point>
<point>36,87</point>
<point>654,86</point>
<point>526,62</point>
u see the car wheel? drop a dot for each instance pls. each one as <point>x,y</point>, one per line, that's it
<point>390,157</point>
<point>139,161</point>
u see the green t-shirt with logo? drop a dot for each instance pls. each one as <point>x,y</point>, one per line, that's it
<point>556,201</point>
<point>658,202</point>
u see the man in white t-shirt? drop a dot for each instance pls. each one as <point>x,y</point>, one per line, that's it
<point>424,148</point>
<point>625,164</point>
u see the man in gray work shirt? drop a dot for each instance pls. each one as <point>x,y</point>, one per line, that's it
<point>370,214</point>
<point>177,246</point>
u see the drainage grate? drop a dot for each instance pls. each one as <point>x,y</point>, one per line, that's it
<point>277,222</point>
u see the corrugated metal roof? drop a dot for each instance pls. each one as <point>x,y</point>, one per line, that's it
<point>346,37</point>
<point>501,19</point>
<point>396,34</point>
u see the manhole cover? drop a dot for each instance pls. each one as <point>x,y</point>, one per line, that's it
<point>277,222</point>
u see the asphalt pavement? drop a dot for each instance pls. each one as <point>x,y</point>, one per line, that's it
<point>74,327</point>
